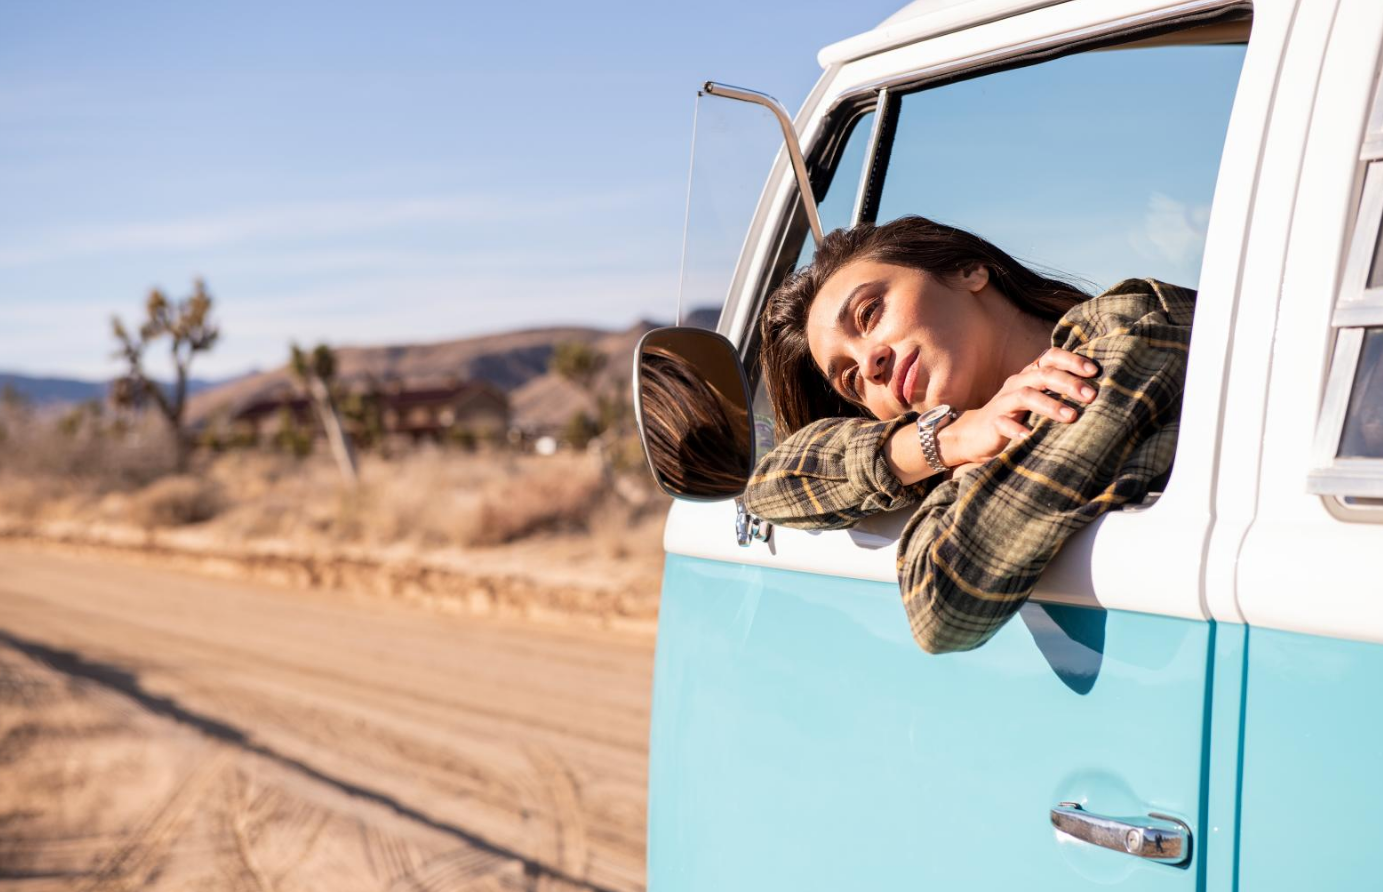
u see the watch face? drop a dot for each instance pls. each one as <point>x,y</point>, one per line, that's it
<point>934,414</point>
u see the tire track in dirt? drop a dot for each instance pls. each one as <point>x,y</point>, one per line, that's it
<point>254,660</point>
<point>559,789</point>
<point>141,853</point>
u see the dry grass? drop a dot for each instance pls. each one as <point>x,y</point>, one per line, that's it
<point>424,500</point>
<point>81,445</point>
<point>554,523</point>
<point>428,498</point>
<point>176,501</point>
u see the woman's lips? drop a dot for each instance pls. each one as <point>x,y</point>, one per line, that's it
<point>905,379</point>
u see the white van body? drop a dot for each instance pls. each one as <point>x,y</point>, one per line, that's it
<point>1240,612</point>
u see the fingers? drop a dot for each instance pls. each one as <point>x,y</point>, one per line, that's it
<point>1010,428</point>
<point>1030,399</point>
<point>1054,380</point>
<point>1057,358</point>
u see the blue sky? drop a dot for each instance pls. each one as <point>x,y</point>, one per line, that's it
<point>360,173</point>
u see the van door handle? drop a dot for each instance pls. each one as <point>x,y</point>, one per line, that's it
<point>1156,837</point>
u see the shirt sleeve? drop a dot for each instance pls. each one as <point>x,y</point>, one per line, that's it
<point>829,475</point>
<point>974,550</point>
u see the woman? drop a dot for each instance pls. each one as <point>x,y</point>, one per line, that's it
<point>1048,408</point>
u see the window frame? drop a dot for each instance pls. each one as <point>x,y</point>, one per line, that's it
<point>884,98</point>
<point>1357,309</point>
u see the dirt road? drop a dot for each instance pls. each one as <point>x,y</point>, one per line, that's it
<point>167,731</point>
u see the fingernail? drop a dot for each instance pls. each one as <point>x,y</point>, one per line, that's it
<point>1068,413</point>
<point>1089,367</point>
<point>1087,393</point>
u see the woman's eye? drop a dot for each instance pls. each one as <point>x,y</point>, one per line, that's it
<point>868,310</point>
<point>851,380</point>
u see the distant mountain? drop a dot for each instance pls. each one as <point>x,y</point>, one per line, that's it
<point>47,391</point>
<point>44,391</point>
<point>703,317</point>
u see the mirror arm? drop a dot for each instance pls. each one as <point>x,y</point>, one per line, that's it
<point>804,184</point>
<point>749,527</point>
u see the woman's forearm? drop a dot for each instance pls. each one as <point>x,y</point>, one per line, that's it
<point>828,475</point>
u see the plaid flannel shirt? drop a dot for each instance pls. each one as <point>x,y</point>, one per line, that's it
<point>976,545</point>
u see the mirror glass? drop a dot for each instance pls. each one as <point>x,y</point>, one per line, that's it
<point>692,400</point>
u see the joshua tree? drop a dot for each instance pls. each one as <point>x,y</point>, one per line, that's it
<point>606,432</point>
<point>577,362</point>
<point>317,372</point>
<point>363,410</point>
<point>188,327</point>
<point>580,364</point>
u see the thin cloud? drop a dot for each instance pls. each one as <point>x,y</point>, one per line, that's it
<point>1173,230</point>
<point>298,222</point>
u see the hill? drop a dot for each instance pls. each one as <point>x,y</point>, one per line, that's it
<point>515,362</point>
<point>47,391</point>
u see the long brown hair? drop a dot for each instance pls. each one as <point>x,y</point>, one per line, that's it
<point>800,393</point>
<point>698,441</point>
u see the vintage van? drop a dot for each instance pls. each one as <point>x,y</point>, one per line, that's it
<point>1193,697</point>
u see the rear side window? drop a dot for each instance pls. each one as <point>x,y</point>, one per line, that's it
<point>1348,453</point>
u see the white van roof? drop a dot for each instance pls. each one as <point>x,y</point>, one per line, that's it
<point>921,19</point>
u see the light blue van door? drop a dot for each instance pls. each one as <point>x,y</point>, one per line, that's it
<point>801,740</point>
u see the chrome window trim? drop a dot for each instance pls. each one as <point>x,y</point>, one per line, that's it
<point>1357,308</point>
<point>1373,134</point>
<point>1065,42</point>
<point>1335,405</point>
<point>880,144</point>
<point>1358,304</point>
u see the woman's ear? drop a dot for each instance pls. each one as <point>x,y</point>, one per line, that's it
<point>973,278</point>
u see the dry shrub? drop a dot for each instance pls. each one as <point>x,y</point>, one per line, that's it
<point>176,501</point>
<point>29,498</point>
<point>623,529</point>
<point>421,499</point>
<point>553,495</point>
<point>427,498</point>
<point>85,446</point>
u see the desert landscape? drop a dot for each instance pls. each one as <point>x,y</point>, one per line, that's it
<point>161,730</point>
<point>258,671</point>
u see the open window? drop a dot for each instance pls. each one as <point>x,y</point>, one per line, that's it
<point>1093,158</point>
<point>1348,451</point>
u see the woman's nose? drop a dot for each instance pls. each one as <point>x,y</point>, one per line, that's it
<point>876,364</point>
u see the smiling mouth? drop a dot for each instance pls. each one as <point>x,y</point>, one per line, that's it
<point>904,379</point>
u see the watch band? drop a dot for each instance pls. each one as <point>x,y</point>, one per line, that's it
<point>928,423</point>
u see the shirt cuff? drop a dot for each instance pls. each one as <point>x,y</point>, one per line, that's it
<point>878,476</point>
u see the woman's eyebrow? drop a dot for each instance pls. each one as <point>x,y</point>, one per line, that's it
<point>844,312</point>
<point>842,315</point>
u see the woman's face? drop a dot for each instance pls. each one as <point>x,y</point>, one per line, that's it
<point>891,338</point>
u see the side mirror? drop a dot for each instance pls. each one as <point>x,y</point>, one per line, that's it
<point>692,399</point>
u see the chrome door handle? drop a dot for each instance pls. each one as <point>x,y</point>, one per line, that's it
<point>1156,837</point>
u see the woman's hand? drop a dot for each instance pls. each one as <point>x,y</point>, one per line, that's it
<point>980,434</point>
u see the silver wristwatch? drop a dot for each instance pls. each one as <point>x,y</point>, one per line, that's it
<point>928,423</point>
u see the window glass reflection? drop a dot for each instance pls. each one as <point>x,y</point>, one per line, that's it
<point>1100,165</point>
<point>837,207</point>
<point>1376,271</point>
<point>1363,434</point>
